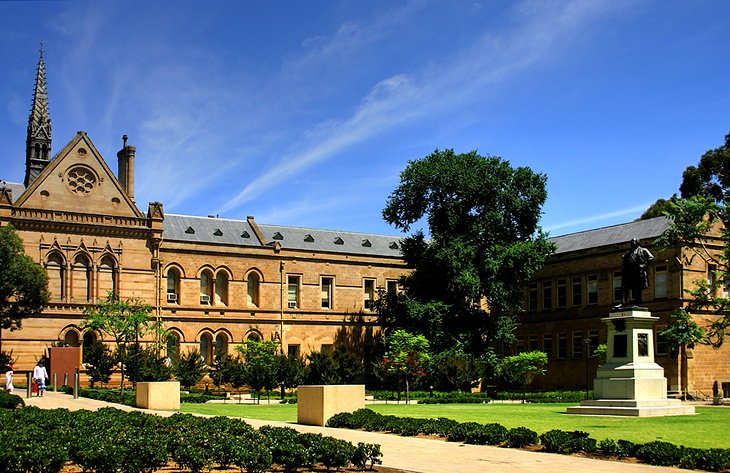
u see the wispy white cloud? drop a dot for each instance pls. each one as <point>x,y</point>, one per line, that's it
<point>632,211</point>
<point>541,34</point>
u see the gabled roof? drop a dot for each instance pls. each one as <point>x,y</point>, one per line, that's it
<point>643,230</point>
<point>16,187</point>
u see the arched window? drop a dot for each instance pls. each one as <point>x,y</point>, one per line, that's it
<point>173,286</point>
<point>221,288</point>
<point>206,286</point>
<point>81,278</point>
<point>107,276</point>
<point>221,344</point>
<point>56,269</point>
<point>88,340</point>
<point>206,348</point>
<point>173,345</point>
<point>71,338</point>
<point>253,289</point>
<point>253,335</point>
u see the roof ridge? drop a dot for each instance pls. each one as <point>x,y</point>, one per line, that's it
<point>609,226</point>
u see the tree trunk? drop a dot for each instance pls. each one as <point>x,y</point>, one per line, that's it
<point>684,372</point>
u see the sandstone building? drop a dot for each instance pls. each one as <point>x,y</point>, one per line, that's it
<point>215,282</point>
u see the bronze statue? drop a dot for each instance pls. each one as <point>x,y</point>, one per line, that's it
<point>635,275</point>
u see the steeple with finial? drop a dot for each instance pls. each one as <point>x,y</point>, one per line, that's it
<point>38,142</point>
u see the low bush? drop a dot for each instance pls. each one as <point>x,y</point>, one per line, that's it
<point>10,401</point>
<point>566,442</point>
<point>127,398</point>
<point>660,453</point>
<point>543,397</point>
<point>367,452</point>
<point>714,459</point>
<point>196,398</point>
<point>520,437</point>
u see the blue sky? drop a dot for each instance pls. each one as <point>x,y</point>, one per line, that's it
<point>304,113</point>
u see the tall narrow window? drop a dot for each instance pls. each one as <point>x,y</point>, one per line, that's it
<point>87,340</point>
<point>577,345</point>
<point>533,343</point>
<point>660,281</point>
<point>547,296</point>
<point>206,286</point>
<point>593,342</point>
<point>56,269</point>
<point>617,286</point>
<point>173,286</point>
<point>391,286</point>
<point>107,276</point>
<point>369,293</point>
<point>662,344</point>
<point>221,344</point>
<point>326,286</point>
<point>532,297</point>
<point>592,287</point>
<point>547,345</point>
<point>81,278</point>
<point>562,346</point>
<point>252,287</point>
<point>577,291</point>
<point>562,289</point>
<point>173,345</point>
<point>293,291</point>
<point>206,348</point>
<point>221,288</point>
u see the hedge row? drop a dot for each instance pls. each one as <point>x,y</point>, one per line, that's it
<point>553,441</point>
<point>10,401</point>
<point>113,441</point>
<point>438,397</point>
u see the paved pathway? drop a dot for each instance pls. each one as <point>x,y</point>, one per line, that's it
<point>417,455</point>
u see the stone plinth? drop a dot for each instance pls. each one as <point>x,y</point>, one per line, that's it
<point>158,395</point>
<point>317,403</point>
<point>630,383</point>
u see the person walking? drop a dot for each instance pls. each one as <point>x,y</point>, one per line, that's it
<point>40,375</point>
<point>9,380</point>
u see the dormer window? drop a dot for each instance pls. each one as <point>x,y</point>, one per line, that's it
<point>189,230</point>
<point>339,241</point>
<point>309,238</point>
<point>278,236</point>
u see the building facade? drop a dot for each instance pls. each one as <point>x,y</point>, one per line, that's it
<point>216,282</point>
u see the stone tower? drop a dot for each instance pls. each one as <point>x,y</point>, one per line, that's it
<point>38,142</point>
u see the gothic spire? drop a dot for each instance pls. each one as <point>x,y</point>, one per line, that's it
<point>38,142</point>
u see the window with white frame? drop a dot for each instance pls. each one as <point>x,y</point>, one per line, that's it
<point>547,295</point>
<point>368,286</point>
<point>617,286</point>
<point>577,291</point>
<point>592,289</point>
<point>562,293</point>
<point>326,286</point>
<point>292,283</point>
<point>577,345</point>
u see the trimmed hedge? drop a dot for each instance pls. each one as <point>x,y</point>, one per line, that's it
<point>10,401</point>
<point>438,397</point>
<point>110,440</point>
<point>553,441</point>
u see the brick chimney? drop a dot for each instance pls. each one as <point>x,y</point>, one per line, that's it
<point>126,167</point>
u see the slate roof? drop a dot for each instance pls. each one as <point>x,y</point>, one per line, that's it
<point>617,234</point>
<point>312,239</point>
<point>239,232</point>
<point>209,230</point>
<point>16,187</point>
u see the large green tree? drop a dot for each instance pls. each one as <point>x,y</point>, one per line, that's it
<point>483,245</point>
<point>23,283</point>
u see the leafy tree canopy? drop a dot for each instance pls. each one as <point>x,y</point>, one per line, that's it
<point>711,177</point>
<point>485,245</point>
<point>23,283</point>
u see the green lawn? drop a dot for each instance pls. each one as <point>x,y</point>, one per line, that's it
<point>710,428</point>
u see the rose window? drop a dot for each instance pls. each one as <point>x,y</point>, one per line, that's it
<point>81,180</point>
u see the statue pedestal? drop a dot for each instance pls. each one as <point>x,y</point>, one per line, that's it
<point>630,383</point>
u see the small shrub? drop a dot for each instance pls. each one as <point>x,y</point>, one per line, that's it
<point>366,452</point>
<point>714,459</point>
<point>10,401</point>
<point>252,453</point>
<point>567,442</point>
<point>660,453</point>
<point>627,448</point>
<point>520,437</point>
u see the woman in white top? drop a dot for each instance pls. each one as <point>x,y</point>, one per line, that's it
<point>40,375</point>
